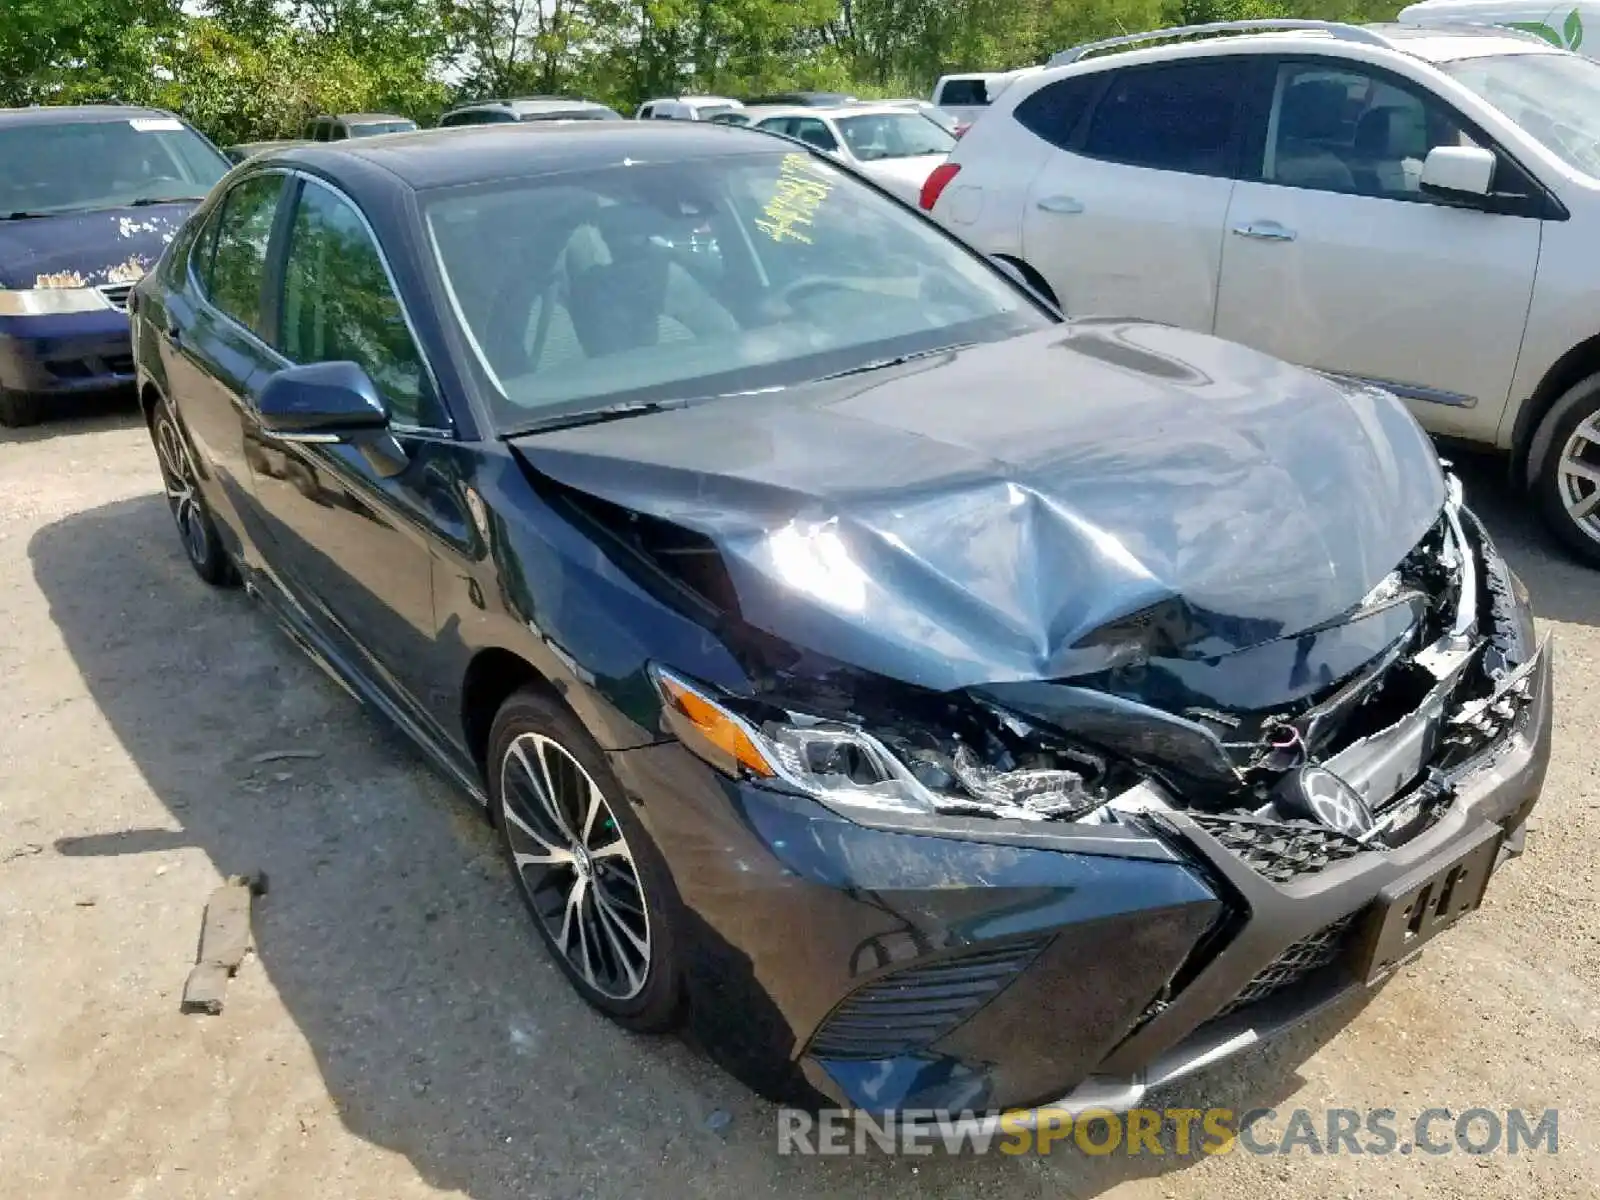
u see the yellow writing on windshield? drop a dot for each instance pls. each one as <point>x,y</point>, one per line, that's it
<point>798,193</point>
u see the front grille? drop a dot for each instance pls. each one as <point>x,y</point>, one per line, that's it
<point>1307,955</point>
<point>116,294</point>
<point>1281,852</point>
<point>911,1009</point>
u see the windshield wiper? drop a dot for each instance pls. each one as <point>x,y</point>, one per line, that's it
<point>147,201</point>
<point>595,416</point>
<point>881,364</point>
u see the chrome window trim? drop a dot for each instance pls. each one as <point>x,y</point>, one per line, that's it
<point>455,307</point>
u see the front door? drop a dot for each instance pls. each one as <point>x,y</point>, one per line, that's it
<point>351,542</point>
<point>213,346</point>
<point>1129,223</point>
<point>1336,259</point>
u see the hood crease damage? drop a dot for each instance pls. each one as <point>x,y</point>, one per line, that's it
<point>1077,620</point>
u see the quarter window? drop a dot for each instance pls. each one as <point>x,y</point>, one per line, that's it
<point>238,265</point>
<point>1177,117</point>
<point>1336,129</point>
<point>338,305</point>
<point>1055,110</point>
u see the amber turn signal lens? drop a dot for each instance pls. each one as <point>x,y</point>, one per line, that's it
<point>718,728</point>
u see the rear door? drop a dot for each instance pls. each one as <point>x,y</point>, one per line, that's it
<point>353,544</point>
<point>1336,259</point>
<point>1127,220</point>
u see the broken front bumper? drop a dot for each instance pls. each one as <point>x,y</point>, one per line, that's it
<point>976,964</point>
<point>1341,904</point>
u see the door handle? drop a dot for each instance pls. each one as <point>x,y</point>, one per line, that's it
<point>1265,231</point>
<point>1065,205</point>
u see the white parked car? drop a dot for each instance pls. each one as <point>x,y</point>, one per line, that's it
<point>1560,24</point>
<point>894,146</point>
<point>686,108</point>
<point>967,97</point>
<point>1414,208</point>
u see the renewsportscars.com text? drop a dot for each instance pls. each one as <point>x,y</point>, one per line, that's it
<point>1173,1131</point>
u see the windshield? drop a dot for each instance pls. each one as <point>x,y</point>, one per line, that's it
<point>1554,97</point>
<point>375,127</point>
<point>893,135</point>
<point>680,280</point>
<point>103,164</point>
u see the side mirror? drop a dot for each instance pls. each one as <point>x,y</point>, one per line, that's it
<point>321,402</point>
<point>1458,171</point>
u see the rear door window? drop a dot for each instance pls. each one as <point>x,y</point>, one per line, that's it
<point>1173,117</point>
<point>237,268</point>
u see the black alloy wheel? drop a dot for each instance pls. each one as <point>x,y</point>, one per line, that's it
<point>584,866</point>
<point>196,529</point>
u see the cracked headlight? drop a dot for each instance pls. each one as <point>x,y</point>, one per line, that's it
<point>842,766</point>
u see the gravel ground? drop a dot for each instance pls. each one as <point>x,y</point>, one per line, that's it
<point>398,1032</point>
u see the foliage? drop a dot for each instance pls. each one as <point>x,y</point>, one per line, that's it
<point>249,69</point>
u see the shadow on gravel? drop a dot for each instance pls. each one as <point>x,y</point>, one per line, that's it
<point>393,937</point>
<point>74,416</point>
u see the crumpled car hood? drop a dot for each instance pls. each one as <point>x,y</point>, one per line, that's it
<point>977,516</point>
<point>116,245</point>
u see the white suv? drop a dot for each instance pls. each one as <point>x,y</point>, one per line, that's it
<point>1415,208</point>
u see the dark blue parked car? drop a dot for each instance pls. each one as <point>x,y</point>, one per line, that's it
<point>89,198</point>
<point>938,704</point>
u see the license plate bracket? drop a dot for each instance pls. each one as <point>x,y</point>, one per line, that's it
<point>1419,906</point>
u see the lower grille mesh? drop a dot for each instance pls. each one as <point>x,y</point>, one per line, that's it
<point>1305,956</point>
<point>1280,852</point>
<point>910,1009</point>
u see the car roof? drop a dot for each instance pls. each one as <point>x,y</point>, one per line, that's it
<point>368,117</point>
<point>75,114</point>
<point>530,104</point>
<point>434,158</point>
<point>864,108</point>
<point>692,100</point>
<point>1448,42</point>
<point>1432,43</point>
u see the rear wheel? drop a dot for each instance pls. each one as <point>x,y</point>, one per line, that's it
<point>196,529</point>
<point>17,409</point>
<point>598,892</point>
<point>1565,468</point>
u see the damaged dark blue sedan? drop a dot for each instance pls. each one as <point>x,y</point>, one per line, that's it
<point>90,197</point>
<point>935,703</point>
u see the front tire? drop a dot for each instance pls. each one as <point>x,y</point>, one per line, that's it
<point>196,530</point>
<point>1564,468</point>
<point>18,410</point>
<point>598,892</point>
